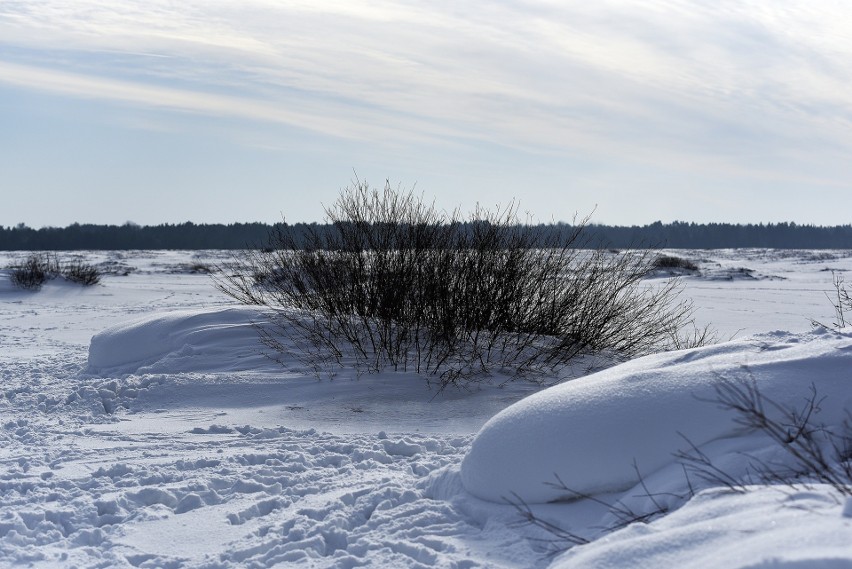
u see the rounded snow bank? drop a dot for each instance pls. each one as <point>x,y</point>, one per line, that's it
<point>590,431</point>
<point>220,339</point>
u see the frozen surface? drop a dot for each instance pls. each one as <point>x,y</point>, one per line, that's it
<point>142,426</point>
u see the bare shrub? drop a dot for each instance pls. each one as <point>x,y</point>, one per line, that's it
<point>819,452</point>
<point>80,273</point>
<point>561,538</point>
<point>697,463</point>
<point>37,269</point>
<point>621,513</point>
<point>393,282</point>
<point>34,271</point>
<point>671,262</point>
<point>841,301</point>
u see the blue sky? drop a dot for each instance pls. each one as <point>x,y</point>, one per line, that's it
<point>218,111</point>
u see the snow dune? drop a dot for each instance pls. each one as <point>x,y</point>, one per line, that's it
<point>218,340</point>
<point>590,431</point>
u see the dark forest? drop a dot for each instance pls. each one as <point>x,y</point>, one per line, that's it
<point>189,235</point>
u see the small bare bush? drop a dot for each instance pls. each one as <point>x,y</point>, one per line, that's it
<point>392,281</point>
<point>34,271</point>
<point>38,269</point>
<point>621,513</point>
<point>81,273</point>
<point>671,262</point>
<point>840,300</point>
<point>819,451</point>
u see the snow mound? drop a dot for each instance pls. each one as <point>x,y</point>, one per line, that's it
<point>589,431</point>
<point>220,339</point>
<point>762,529</point>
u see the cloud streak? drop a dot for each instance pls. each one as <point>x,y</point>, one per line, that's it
<point>751,89</point>
<point>614,63</point>
<point>183,100</point>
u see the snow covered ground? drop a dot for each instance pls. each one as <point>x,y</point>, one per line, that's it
<point>140,426</point>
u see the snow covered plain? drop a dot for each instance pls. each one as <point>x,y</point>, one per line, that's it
<point>140,426</point>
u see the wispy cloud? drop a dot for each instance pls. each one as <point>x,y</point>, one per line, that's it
<point>729,85</point>
<point>184,100</point>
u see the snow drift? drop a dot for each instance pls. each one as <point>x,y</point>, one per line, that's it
<point>220,339</point>
<point>590,431</point>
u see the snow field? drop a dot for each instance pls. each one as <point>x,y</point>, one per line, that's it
<point>221,497</point>
<point>141,426</point>
<point>83,486</point>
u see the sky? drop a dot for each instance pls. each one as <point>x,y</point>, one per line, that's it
<point>216,111</point>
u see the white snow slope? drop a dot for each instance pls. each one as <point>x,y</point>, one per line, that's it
<point>142,426</point>
<point>643,409</point>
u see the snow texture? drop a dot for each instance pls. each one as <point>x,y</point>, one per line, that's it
<point>142,425</point>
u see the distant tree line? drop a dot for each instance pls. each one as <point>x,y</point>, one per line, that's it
<point>131,236</point>
<point>190,235</point>
<point>682,235</point>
